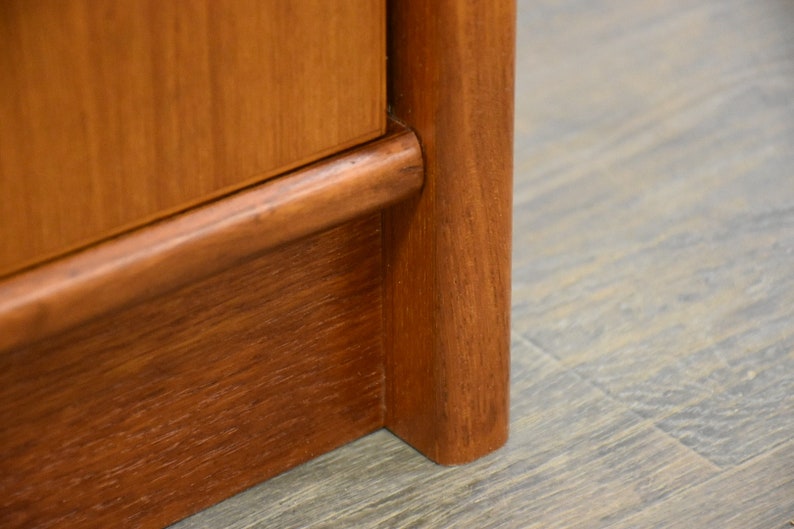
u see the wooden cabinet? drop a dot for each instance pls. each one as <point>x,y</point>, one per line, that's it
<point>198,351</point>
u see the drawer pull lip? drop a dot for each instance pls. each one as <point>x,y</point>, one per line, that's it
<point>173,252</point>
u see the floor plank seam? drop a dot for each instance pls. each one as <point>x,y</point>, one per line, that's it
<point>532,345</point>
<point>710,481</point>
<point>644,422</point>
<point>711,464</point>
<point>586,380</point>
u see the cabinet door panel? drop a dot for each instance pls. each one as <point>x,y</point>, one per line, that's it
<point>114,113</point>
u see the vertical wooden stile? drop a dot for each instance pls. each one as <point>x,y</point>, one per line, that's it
<point>447,253</point>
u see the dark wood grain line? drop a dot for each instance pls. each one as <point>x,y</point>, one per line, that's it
<point>198,243</point>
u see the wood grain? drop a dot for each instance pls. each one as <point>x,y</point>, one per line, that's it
<point>183,249</point>
<point>140,418</point>
<point>659,244</point>
<point>653,293</point>
<point>765,499</point>
<point>448,252</point>
<point>113,113</point>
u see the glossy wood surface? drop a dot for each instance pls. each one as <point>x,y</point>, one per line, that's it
<point>448,251</point>
<point>113,113</point>
<point>142,417</point>
<point>186,248</point>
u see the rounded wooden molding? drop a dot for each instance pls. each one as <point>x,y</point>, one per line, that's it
<point>186,247</point>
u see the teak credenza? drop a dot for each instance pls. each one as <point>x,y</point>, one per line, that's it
<point>235,236</point>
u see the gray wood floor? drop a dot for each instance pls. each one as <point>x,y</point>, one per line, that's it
<point>653,310</point>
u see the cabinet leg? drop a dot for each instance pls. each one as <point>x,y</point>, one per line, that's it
<point>447,252</point>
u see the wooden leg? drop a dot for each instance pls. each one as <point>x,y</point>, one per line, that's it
<point>447,253</point>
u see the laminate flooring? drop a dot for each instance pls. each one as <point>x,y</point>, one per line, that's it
<point>653,292</point>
